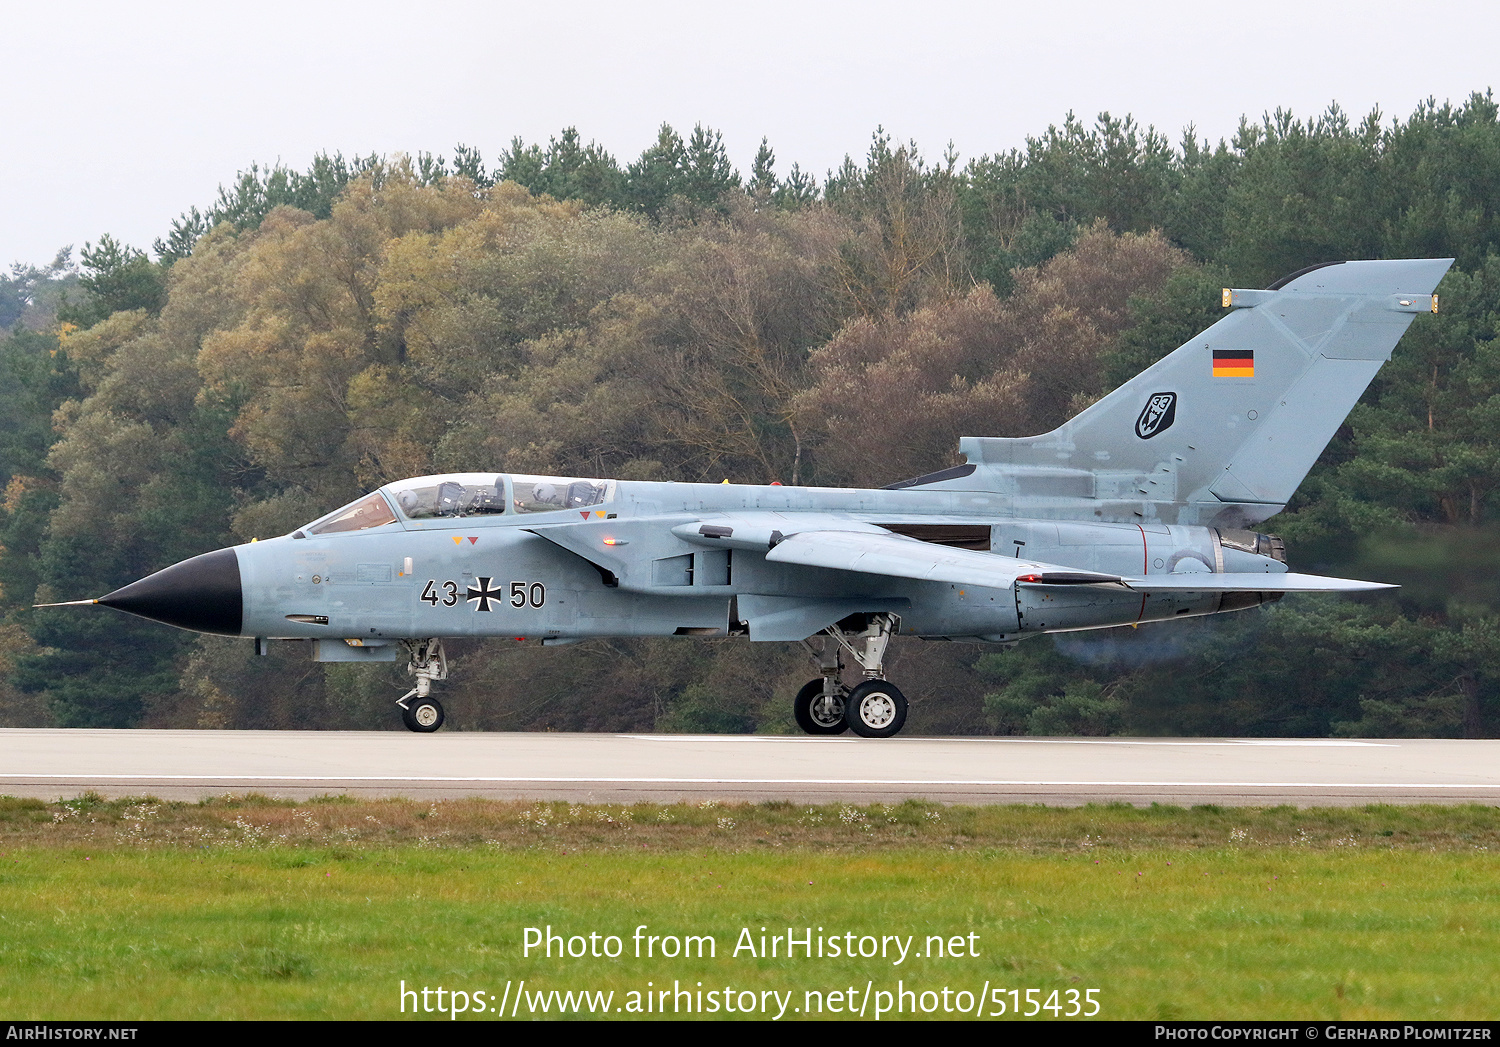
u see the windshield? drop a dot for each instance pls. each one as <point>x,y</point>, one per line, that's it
<point>369,511</point>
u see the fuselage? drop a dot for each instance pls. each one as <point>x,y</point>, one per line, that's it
<point>614,567</point>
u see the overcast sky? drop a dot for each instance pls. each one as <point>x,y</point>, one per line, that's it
<point>117,117</point>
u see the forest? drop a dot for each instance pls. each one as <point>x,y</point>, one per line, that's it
<point>312,334</point>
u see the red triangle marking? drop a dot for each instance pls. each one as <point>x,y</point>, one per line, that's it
<point>474,539</point>
<point>584,514</point>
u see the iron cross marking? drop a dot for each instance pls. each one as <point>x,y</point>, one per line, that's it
<point>483,595</point>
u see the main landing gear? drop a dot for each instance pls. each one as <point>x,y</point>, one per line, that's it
<point>428,663</point>
<point>873,709</point>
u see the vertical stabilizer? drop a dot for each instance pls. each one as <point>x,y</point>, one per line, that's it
<point>1222,430</point>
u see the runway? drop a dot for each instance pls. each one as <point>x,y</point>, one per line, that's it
<point>193,765</point>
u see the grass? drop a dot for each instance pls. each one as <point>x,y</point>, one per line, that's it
<point>255,908</point>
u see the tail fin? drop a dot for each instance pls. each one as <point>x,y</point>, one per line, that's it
<point>1223,429</point>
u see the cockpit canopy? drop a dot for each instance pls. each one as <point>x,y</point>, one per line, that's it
<point>544,494</point>
<point>465,495</point>
<point>450,497</point>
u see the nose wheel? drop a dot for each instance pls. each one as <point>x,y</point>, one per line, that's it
<point>424,715</point>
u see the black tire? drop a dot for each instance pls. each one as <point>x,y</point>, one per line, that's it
<point>875,709</point>
<point>423,715</point>
<point>807,707</point>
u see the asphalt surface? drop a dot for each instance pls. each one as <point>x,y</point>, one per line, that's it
<point>1061,771</point>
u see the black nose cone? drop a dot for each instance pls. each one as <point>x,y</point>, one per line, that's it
<point>202,594</point>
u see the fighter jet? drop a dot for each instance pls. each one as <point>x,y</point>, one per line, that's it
<point>1142,508</point>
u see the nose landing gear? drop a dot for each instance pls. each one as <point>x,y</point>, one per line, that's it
<point>428,663</point>
<point>875,708</point>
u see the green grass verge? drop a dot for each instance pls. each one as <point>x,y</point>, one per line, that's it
<point>260,909</point>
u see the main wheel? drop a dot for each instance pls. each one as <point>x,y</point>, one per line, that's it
<point>875,709</point>
<point>817,713</point>
<point>423,715</point>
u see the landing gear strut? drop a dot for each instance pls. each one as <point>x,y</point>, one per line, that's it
<point>428,663</point>
<point>875,708</point>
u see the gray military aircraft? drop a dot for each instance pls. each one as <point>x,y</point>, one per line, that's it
<point>1139,509</point>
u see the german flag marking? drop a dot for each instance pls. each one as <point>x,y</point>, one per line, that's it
<point>1234,363</point>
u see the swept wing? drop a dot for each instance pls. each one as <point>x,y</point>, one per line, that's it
<point>899,557</point>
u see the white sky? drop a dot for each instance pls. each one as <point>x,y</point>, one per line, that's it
<point>117,117</point>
